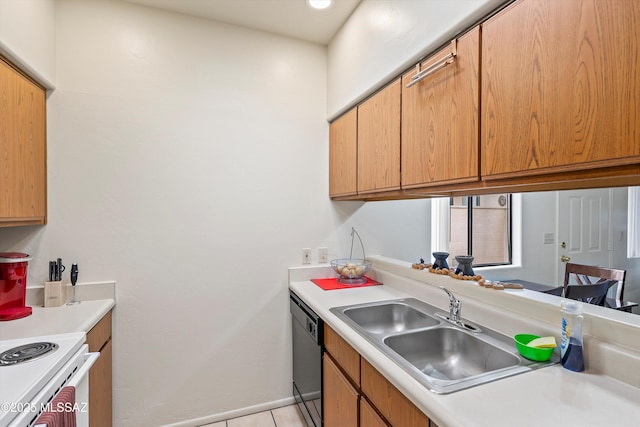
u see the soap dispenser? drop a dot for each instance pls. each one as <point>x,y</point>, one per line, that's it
<point>571,351</point>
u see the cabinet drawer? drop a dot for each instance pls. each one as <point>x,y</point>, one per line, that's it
<point>343,353</point>
<point>100,333</point>
<point>395,407</point>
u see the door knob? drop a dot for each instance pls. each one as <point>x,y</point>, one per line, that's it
<point>565,258</point>
<point>563,245</point>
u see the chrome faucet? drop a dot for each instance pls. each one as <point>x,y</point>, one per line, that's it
<point>455,311</point>
<point>455,306</point>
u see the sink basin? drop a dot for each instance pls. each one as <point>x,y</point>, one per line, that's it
<point>443,357</point>
<point>390,317</point>
<point>450,354</point>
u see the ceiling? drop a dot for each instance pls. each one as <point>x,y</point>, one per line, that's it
<point>291,18</point>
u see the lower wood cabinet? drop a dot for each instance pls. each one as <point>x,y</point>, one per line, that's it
<point>367,399</point>
<point>344,355</point>
<point>391,403</point>
<point>100,375</point>
<point>369,417</point>
<point>340,397</point>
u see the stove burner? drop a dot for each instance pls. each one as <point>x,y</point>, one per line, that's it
<point>25,353</point>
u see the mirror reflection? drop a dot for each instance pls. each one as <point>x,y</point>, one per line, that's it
<point>532,237</point>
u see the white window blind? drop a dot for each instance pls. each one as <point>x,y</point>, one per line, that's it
<point>440,225</point>
<point>633,226</point>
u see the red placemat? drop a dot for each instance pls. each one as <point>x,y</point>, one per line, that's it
<point>332,283</point>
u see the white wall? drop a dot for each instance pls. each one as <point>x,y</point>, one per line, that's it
<point>399,228</point>
<point>27,37</point>
<point>188,161</point>
<point>383,38</point>
<point>619,246</point>
<point>187,165</point>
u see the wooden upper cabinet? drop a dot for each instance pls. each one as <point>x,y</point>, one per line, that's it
<point>23,182</point>
<point>379,141</point>
<point>343,139</point>
<point>440,118</point>
<point>560,87</point>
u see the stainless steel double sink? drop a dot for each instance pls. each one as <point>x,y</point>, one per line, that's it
<point>442,356</point>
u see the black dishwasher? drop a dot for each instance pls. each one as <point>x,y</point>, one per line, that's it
<point>307,335</point>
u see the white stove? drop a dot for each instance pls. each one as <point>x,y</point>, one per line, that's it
<point>27,387</point>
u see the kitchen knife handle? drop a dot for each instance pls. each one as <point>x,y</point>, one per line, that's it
<point>60,269</point>
<point>74,274</point>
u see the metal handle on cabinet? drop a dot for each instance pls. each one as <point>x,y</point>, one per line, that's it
<point>439,64</point>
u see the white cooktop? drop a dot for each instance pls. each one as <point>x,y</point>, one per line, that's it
<point>20,383</point>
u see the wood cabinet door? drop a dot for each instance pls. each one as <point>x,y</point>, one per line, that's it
<point>340,398</point>
<point>23,178</point>
<point>379,141</point>
<point>369,417</point>
<point>440,119</point>
<point>343,139</point>
<point>100,375</point>
<point>346,356</point>
<point>391,403</point>
<point>100,385</point>
<point>100,333</point>
<point>560,87</point>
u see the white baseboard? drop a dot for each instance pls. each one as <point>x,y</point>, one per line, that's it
<point>267,406</point>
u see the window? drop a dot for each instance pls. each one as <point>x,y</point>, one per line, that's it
<point>475,225</point>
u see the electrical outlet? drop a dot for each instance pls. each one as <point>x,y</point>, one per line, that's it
<point>323,254</point>
<point>306,255</point>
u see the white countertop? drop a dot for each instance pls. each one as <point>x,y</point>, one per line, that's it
<point>96,301</point>
<point>57,320</point>
<point>548,396</point>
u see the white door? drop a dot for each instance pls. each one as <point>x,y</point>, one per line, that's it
<point>584,228</point>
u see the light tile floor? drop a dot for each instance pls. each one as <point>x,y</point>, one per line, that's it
<point>287,416</point>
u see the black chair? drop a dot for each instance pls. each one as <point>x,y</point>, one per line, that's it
<point>591,294</point>
<point>555,291</point>
<point>591,275</point>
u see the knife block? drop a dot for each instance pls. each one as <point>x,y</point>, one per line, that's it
<point>54,295</point>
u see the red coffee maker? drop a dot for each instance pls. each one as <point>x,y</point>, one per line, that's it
<point>13,285</point>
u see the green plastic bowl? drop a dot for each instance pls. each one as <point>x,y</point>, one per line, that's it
<point>532,353</point>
